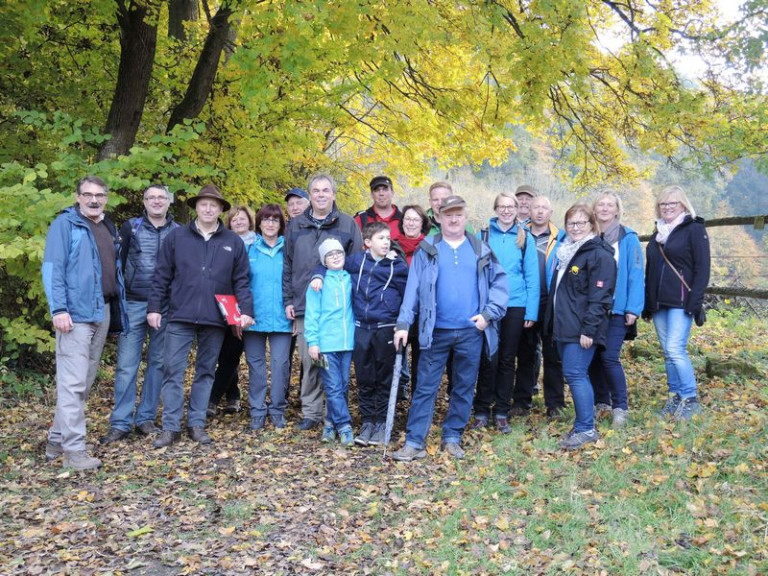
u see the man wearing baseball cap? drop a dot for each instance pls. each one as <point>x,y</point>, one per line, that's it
<point>196,262</point>
<point>296,201</point>
<point>524,193</point>
<point>382,209</point>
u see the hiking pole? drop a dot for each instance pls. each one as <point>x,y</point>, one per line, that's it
<point>392,399</point>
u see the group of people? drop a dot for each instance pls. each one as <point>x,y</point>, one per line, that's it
<point>485,306</point>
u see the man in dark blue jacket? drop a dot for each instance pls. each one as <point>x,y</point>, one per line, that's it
<point>84,288</point>
<point>142,238</point>
<point>196,262</point>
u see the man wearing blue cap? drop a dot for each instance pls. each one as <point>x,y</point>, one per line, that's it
<point>296,201</point>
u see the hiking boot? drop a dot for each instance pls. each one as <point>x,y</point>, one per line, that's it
<point>670,407</point>
<point>258,423</point>
<point>166,438</point>
<point>364,436</point>
<point>619,418</point>
<point>409,454</point>
<point>555,412</point>
<point>211,410</point>
<point>329,434</point>
<point>479,422</point>
<point>53,450</point>
<point>232,407</point>
<point>453,449</point>
<point>502,425</point>
<point>147,428</point>
<point>114,435</point>
<point>602,410</point>
<point>574,440</point>
<point>377,436</point>
<point>519,411</point>
<point>346,436</point>
<point>80,460</point>
<point>197,434</point>
<point>687,409</point>
<point>278,420</point>
<point>308,424</point>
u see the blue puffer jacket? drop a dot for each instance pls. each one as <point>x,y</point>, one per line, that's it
<point>139,253</point>
<point>328,320</point>
<point>72,270</point>
<point>420,291</point>
<point>629,296</point>
<point>522,268</point>
<point>266,276</point>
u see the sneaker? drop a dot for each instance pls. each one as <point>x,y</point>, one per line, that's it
<point>364,436</point>
<point>329,434</point>
<point>198,434</point>
<point>502,425</point>
<point>80,460</point>
<point>232,407</point>
<point>519,411</point>
<point>670,408</point>
<point>147,428</point>
<point>619,418</point>
<point>574,440</point>
<point>278,420</point>
<point>453,449</point>
<point>114,435</point>
<point>479,422</point>
<point>258,423</point>
<point>211,411</point>
<point>409,454</point>
<point>53,450</point>
<point>377,436</point>
<point>346,436</point>
<point>555,412</point>
<point>166,438</point>
<point>308,424</point>
<point>687,409</point>
<point>602,410</point>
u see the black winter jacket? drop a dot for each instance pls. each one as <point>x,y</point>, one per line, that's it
<point>139,253</point>
<point>302,239</point>
<point>687,249</point>
<point>191,271</point>
<point>582,302</point>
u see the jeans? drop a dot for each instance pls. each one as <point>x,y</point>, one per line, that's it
<point>673,327</point>
<point>311,384</point>
<point>467,347</point>
<point>129,348</point>
<point>226,377</point>
<point>78,353</point>
<point>374,357</point>
<point>606,373</point>
<point>178,342</point>
<point>497,375</point>
<point>336,384</point>
<point>576,362</point>
<point>279,365</point>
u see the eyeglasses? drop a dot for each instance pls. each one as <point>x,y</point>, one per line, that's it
<point>156,198</point>
<point>88,196</point>
<point>412,220</point>
<point>665,205</point>
<point>335,254</point>
<point>271,220</point>
<point>506,208</point>
<point>577,225</point>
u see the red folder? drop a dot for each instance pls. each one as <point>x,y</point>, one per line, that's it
<point>229,308</point>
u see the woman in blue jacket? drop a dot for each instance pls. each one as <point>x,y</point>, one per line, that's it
<point>606,372</point>
<point>515,250</point>
<point>677,273</point>
<point>265,256</point>
<point>578,312</point>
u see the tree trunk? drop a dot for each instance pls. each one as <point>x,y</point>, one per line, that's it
<point>205,71</point>
<point>180,11</point>
<point>138,39</point>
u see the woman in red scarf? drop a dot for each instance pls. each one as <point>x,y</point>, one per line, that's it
<point>413,227</point>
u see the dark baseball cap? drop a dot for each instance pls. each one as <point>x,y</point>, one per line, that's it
<point>526,189</point>
<point>452,203</point>
<point>381,181</point>
<point>296,192</point>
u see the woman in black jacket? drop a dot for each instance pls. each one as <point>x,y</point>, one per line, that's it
<point>578,311</point>
<point>676,275</point>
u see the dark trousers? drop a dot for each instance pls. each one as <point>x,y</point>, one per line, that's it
<point>226,379</point>
<point>374,358</point>
<point>496,379</point>
<point>606,371</point>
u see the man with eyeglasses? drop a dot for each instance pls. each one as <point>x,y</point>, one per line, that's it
<point>86,299</point>
<point>382,209</point>
<point>142,238</point>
